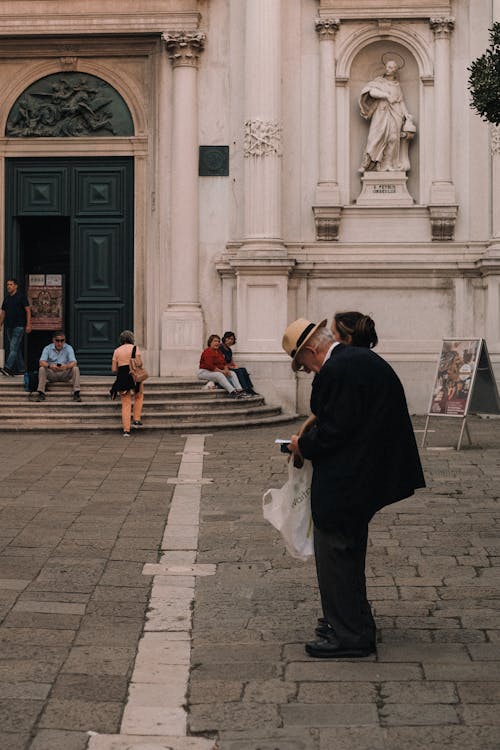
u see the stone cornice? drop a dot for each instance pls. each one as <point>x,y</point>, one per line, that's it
<point>52,24</point>
<point>373,9</point>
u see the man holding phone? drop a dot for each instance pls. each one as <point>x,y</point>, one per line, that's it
<point>58,364</point>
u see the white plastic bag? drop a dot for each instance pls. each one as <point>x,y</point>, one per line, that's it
<point>289,510</point>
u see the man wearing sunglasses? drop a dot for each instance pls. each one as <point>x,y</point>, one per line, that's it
<point>58,365</point>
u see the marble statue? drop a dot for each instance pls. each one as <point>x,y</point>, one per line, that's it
<point>391,125</point>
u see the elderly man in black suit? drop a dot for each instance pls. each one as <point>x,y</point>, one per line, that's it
<point>364,457</point>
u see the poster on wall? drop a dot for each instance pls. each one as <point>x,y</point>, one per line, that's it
<point>45,295</point>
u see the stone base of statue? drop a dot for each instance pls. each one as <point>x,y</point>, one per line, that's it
<point>384,189</point>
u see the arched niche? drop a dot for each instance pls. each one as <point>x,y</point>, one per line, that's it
<point>69,105</point>
<point>366,66</point>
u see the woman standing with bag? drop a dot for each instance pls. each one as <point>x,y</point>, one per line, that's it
<point>124,383</point>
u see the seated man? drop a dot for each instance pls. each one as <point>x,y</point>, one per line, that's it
<point>58,364</point>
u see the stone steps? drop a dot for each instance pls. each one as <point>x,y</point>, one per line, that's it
<point>169,403</point>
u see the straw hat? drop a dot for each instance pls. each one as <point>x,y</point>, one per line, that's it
<point>297,335</point>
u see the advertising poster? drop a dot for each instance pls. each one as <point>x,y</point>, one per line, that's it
<point>455,375</point>
<point>45,295</point>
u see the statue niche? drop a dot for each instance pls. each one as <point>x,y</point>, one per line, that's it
<point>385,160</point>
<point>69,104</point>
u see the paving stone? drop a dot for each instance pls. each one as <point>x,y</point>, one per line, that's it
<point>112,660</point>
<point>413,693</point>
<point>479,692</point>
<point>78,715</point>
<point>433,652</point>
<point>480,715</point>
<point>235,716</point>
<point>447,737</point>
<point>404,714</point>
<point>353,738</point>
<point>321,715</point>
<point>19,714</point>
<point>14,741</point>
<point>272,739</point>
<point>91,687</point>
<point>225,690</point>
<point>337,692</point>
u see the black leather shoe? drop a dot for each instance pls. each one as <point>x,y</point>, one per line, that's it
<point>332,649</point>
<point>324,629</point>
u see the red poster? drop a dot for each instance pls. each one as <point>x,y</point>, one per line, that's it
<point>46,302</point>
<point>454,378</point>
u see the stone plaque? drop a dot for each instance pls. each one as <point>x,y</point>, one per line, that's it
<point>384,189</point>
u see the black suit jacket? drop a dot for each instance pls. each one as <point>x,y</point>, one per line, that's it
<point>363,448</point>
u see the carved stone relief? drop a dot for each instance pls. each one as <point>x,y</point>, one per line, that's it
<point>442,27</point>
<point>184,48</point>
<point>69,104</point>
<point>262,138</point>
<point>327,27</point>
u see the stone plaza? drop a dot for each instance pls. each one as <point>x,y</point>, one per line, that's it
<point>146,604</point>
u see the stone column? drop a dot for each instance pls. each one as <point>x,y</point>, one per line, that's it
<point>327,198</point>
<point>442,200</point>
<point>490,262</point>
<point>262,147</point>
<point>182,324</point>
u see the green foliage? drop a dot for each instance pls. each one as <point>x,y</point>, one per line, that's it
<point>484,80</point>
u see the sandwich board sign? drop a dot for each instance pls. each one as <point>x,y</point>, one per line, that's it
<point>464,384</point>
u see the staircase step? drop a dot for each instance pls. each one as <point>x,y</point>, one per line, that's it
<point>170,403</point>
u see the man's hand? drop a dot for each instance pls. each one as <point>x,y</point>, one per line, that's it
<point>294,445</point>
<point>28,329</point>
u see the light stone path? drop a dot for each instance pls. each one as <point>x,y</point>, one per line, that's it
<point>155,716</point>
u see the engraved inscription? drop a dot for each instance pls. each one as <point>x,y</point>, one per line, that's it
<point>381,188</point>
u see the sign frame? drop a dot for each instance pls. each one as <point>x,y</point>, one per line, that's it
<point>455,375</point>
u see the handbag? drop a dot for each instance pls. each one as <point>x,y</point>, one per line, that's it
<point>289,510</point>
<point>137,371</point>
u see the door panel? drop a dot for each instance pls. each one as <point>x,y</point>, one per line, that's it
<point>98,263</point>
<point>96,194</point>
<point>102,192</point>
<point>42,191</point>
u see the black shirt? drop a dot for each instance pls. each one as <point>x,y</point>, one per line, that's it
<point>14,306</point>
<point>227,352</point>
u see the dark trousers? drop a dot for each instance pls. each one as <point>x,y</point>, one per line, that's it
<point>340,567</point>
<point>244,378</point>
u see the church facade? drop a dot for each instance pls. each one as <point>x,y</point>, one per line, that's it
<point>186,167</point>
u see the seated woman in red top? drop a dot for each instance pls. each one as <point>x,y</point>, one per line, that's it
<point>213,367</point>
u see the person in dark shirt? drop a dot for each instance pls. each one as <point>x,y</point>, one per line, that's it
<point>229,340</point>
<point>16,314</point>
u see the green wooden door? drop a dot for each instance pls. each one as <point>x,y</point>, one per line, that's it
<point>97,196</point>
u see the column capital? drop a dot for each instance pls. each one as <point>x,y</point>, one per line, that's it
<point>184,47</point>
<point>442,26</point>
<point>495,139</point>
<point>327,28</point>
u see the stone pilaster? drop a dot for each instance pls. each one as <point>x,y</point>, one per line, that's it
<point>262,127</point>
<point>443,207</point>
<point>182,323</point>
<point>327,197</point>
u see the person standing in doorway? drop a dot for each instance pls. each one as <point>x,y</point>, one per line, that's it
<point>16,314</point>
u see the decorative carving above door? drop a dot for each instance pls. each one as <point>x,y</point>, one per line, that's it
<point>69,104</point>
